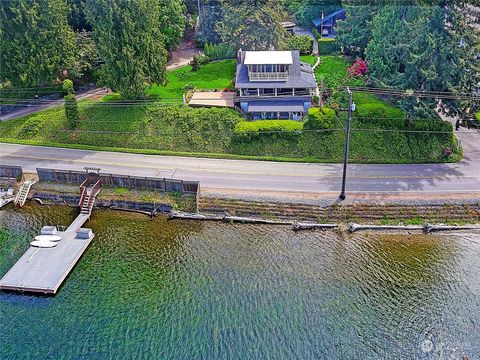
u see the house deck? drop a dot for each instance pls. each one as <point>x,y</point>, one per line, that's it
<point>213,99</point>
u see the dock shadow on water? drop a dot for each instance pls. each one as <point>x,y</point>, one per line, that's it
<point>153,289</point>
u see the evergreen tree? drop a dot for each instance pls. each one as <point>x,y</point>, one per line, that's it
<point>36,42</point>
<point>76,16</point>
<point>211,13</point>
<point>252,24</point>
<point>354,33</point>
<point>462,23</point>
<point>411,49</point>
<point>129,41</point>
<point>71,106</point>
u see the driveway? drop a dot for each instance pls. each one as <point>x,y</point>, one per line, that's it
<point>183,55</point>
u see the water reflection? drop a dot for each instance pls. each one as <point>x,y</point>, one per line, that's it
<point>183,290</point>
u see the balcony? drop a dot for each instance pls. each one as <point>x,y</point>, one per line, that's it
<point>268,76</point>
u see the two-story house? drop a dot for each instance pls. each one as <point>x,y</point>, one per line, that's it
<point>274,84</point>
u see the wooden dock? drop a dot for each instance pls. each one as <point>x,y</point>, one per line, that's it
<point>43,270</point>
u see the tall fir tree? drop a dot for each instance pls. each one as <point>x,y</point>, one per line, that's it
<point>411,49</point>
<point>463,25</point>
<point>354,32</point>
<point>252,24</point>
<point>129,41</point>
<point>36,42</point>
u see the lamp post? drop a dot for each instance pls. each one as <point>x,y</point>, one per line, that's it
<point>351,108</point>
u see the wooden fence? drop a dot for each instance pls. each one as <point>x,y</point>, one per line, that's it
<point>10,171</point>
<point>131,182</point>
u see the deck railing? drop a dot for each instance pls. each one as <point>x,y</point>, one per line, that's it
<point>266,76</point>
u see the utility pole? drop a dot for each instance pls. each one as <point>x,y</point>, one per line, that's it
<point>351,107</point>
<point>321,27</point>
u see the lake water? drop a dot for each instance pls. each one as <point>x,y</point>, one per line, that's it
<point>189,290</point>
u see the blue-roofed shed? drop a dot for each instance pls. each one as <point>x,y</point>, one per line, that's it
<point>327,25</point>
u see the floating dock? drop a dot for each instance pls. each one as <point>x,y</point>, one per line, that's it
<point>43,270</point>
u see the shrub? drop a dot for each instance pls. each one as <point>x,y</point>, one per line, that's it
<point>68,86</point>
<point>358,69</point>
<point>380,114</point>
<point>195,63</point>
<point>477,116</point>
<point>321,118</point>
<point>220,51</point>
<point>303,43</point>
<point>31,127</point>
<point>327,46</point>
<point>246,127</point>
<point>203,59</point>
<point>71,111</point>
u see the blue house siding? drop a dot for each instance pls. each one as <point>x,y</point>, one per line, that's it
<point>287,98</point>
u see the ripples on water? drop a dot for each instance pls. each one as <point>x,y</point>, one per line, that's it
<point>186,290</point>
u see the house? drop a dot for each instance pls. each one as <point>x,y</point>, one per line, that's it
<point>326,24</point>
<point>274,84</point>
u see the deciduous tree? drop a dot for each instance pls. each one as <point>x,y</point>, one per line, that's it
<point>172,21</point>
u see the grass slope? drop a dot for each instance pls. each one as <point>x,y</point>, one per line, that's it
<point>212,133</point>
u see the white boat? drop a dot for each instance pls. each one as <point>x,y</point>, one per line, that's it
<point>53,238</point>
<point>43,244</point>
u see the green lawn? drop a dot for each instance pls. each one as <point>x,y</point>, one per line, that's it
<point>216,75</point>
<point>333,71</point>
<point>309,59</point>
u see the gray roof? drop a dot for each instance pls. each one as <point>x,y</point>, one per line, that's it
<point>301,76</point>
<point>275,106</point>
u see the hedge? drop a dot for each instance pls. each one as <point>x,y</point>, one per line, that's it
<point>380,114</point>
<point>220,51</point>
<point>267,125</point>
<point>327,46</point>
<point>324,118</point>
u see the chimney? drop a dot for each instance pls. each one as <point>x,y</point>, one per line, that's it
<point>240,56</point>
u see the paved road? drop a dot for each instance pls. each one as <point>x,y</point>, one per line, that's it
<point>49,104</point>
<point>256,175</point>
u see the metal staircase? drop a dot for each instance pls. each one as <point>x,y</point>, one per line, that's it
<point>23,193</point>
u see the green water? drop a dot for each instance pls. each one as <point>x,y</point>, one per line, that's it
<point>187,290</point>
